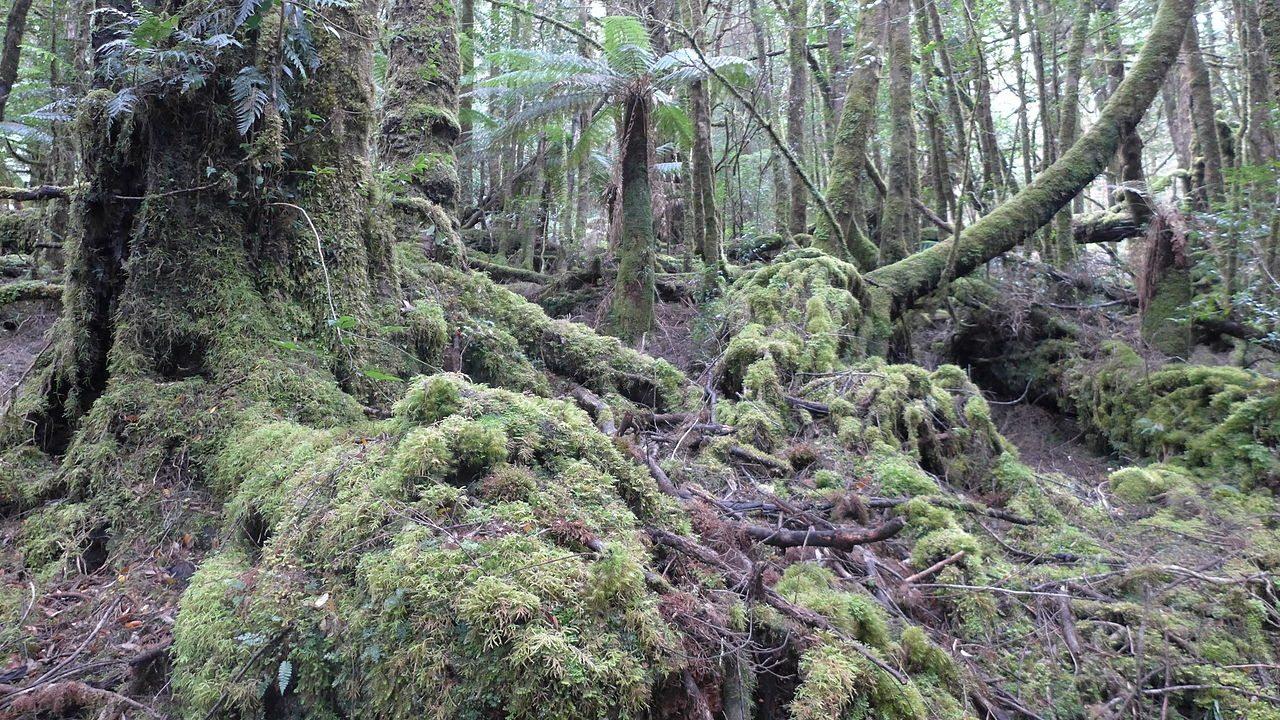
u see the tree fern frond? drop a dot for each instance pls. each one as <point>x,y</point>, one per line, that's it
<point>565,63</point>
<point>684,66</point>
<point>596,134</point>
<point>627,48</point>
<point>671,119</point>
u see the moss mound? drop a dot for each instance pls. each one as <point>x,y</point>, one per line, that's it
<point>476,553</point>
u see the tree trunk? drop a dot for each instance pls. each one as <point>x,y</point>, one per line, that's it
<point>1018,218</point>
<point>797,93</point>
<point>768,110</point>
<point>172,273</point>
<point>848,159</point>
<point>1269,22</point>
<point>1071,109</point>
<point>420,122</point>
<point>1261,137</point>
<point>900,226</point>
<point>1211,189</point>
<point>12,52</point>
<point>835,56</point>
<point>706,230</point>
<point>631,312</point>
<point>466,46</point>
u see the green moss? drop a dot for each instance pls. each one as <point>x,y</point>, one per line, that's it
<point>899,476</point>
<point>53,534</point>
<point>509,612</point>
<point>857,615</point>
<point>943,543</point>
<point>837,683</point>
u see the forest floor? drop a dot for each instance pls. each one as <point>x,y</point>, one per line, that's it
<point>22,336</point>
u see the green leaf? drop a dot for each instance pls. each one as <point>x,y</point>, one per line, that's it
<point>345,322</point>
<point>153,30</point>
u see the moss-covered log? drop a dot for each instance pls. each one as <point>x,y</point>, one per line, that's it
<point>1016,219</point>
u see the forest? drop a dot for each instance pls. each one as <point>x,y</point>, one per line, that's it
<point>640,359</point>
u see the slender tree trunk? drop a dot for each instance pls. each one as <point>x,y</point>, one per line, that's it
<point>1133,179</point>
<point>631,312</point>
<point>706,230</point>
<point>835,55</point>
<point>768,110</point>
<point>1261,135</point>
<point>849,152</point>
<point>797,94</point>
<point>900,226</point>
<point>1212,189</point>
<point>1020,71</point>
<point>1071,112</point>
<point>993,170</point>
<point>939,173</point>
<point>467,49</point>
<point>12,52</point>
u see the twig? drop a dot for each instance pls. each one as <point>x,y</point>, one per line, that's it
<point>935,568</point>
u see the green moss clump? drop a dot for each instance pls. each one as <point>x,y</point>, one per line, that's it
<point>814,587</point>
<point>943,543</point>
<point>838,683</point>
<point>445,550</point>
<point>1222,420</point>
<point>53,534</point>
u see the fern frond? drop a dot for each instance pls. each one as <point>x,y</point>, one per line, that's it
<point>685,66</point>
<point>596,134</point>
<point>627,48</point>
<point>249,97</point>
<point>671,119</point>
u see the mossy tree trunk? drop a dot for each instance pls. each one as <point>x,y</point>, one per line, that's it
<point>900,226</point>
<point>631,310</point>
<point>797,94</point>
<point>1018,218</point>
<point>189,262</point>
<point>1211,189</point>
<point>1269,23</point>
<point>1261,135</point>
<point>848,158</point>
<point>15,28</point>
<point>1164,289</point>
<point>706,230</point>
<point>420,122</point>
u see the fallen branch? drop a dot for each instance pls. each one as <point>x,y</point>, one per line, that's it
<point>840,539</point>
<point>1240,331</point>
<point>29,290</point>
<point>935,568</point>
<point>741,582</point>
<point>598,408</point>
<point>59,697</point>
<point>36,194</point>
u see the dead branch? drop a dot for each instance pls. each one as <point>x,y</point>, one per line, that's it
<point>935,568</point>
<point>840,539</point>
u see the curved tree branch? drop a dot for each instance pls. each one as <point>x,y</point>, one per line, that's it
<point>913,277</point>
